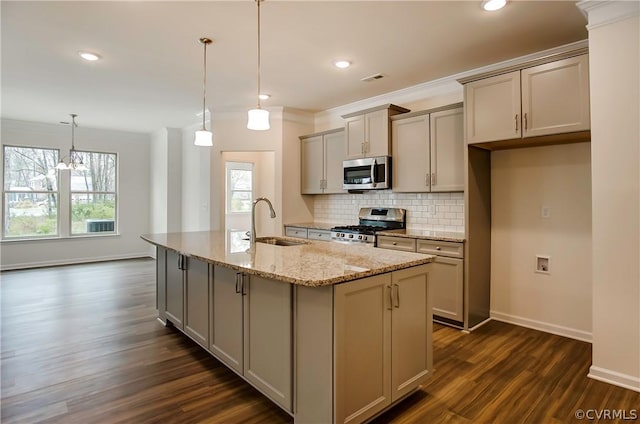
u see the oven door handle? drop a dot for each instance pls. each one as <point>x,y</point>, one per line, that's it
<point>373,173</point>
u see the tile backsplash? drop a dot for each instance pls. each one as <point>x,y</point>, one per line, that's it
<point>425,211</point>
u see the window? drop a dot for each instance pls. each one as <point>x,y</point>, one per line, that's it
<point>34,189</point>
<point>93,194</point>
<point>30,192</point>
<point>239,187</point>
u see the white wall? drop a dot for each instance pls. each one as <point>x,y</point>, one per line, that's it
<point>614,67</point>
<point>166,174</point>
<point>196,183</point>
<point>522,182</point>
<point>133,196</point>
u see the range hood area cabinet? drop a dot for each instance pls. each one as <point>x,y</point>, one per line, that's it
<point>522,105</point>
<point>368,132</point>
<point>321,162</point>
<point>428,150</point>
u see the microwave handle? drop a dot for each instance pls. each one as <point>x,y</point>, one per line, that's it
<point>373,173</point>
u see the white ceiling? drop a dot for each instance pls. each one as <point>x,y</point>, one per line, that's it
<point>150,75</point>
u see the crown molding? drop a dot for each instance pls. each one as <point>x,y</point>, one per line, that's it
<point>600,13</point>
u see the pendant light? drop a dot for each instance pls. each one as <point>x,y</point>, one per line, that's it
<point>258,117</point>
<point>204,137</point>
<point>74,158</point>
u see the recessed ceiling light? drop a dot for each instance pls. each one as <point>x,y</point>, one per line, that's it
<point>493,5</point>
<point>342,64</point>
<point>264,96</point>
<point>91,57</point>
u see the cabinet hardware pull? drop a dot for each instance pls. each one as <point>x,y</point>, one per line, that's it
<point>390,298</point>
<point>243,285</point>
<point>525,121</point>
<point>427,181</point>
<point>516,119</point>
<point>238,274</point>
<point>438,248</point>
<point>180,262</point>
<point>395,243</point>
<point>397,295</point>
<point>433,178</point>
<point>362,148</point>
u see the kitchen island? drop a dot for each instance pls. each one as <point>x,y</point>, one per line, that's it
<point>328,331</point>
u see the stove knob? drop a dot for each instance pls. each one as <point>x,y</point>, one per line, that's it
<point>364,238</point>
<point>350,235</point>
<point>359,237</point>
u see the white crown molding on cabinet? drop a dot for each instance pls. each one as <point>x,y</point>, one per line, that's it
<point>442,86</point>
<point>601,13</point>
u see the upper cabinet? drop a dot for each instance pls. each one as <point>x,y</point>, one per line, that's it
<point>321,162</point>
<point>367,132</point>
<point>428,150</point>
<point>546,99</point>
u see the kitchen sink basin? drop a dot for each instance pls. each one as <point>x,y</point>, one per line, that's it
<point>279,241</point>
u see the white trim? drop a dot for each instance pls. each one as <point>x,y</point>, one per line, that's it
<point>612,377</point>
<point>559,330</point>
<point>601,13</point>
<point>58,262</point>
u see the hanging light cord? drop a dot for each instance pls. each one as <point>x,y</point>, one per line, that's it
<point>204,41</point>
<point>258,73</point>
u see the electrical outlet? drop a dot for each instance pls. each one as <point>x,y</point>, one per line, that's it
<point>545,212</point>
<point>542,264</point>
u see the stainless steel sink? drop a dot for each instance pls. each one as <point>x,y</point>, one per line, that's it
<point>279,241</point>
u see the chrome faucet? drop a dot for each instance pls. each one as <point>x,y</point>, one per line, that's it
<point>253,217</point>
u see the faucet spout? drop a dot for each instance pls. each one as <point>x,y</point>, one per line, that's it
<point>253,217</point>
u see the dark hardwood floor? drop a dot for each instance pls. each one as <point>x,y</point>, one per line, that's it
<point>81,344</point>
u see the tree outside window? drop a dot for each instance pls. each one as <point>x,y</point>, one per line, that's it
<point>93,194</point>
<point>239,187</point>
<point>30,192</point>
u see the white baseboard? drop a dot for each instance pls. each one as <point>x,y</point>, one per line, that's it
<point>58,262</point>
<point>559,330</point>
<point>612,377</point>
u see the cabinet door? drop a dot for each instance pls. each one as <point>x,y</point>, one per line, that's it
<point>161,283</point>
<point>196,316</point>
<point>447,150</point>
<point>226,326</point>
<point>377,133</point>
<point>334,155</point>
<point>175,289</point>
<point>354,137</point>
<point>447,278</point>
<point>555,97</point>
<point>362,345</point>
<point>312,169</point>
<point>411,351</point>
<point>268,338</point>
<point>410,153</point>
<point>493,108</point>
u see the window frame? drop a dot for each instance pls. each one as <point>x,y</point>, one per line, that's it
<point>237,166</point>
<point>116,220</point>
<point>57,193</point>
<point>64,200</point>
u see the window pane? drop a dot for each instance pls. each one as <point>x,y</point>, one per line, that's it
<point>93,213</point>
<point>30,169</point>
<point>100,174</point>
<point>240,201</point>
<point>240,179</point>
<point>30,214</point>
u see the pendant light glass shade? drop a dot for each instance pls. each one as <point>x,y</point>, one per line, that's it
<point>203,136</point>
<point>258,118</point>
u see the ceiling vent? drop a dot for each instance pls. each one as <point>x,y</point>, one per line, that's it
<point>372,77</point>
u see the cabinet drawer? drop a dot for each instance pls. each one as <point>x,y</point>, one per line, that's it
<point>319,234</point>
<point>295,232</point>
<point>397,243</point>
<point>441,248</point>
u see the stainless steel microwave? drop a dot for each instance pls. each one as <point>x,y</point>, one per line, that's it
<point>367,173</point>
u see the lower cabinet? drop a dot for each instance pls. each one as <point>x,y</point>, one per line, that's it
<point>196,306</point>
<point>446,275</point>
<point>251,331</point>
<point>382,342</point>
<point>174,307</point>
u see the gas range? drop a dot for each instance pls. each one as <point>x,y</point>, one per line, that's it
<point>371,220</point>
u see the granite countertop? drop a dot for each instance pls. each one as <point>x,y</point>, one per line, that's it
<point>425,235</point>
<point>316,263</point>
